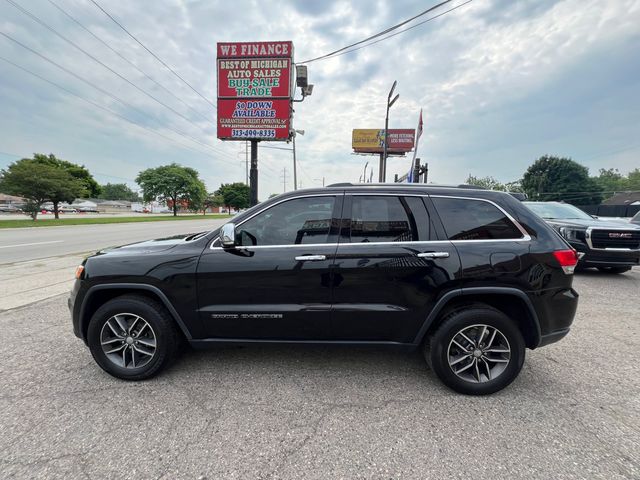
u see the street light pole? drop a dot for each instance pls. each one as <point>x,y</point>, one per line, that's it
<point>383,160</point>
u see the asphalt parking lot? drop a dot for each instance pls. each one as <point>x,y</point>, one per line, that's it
<point>311,412</point>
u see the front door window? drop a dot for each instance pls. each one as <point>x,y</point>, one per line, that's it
<point>293,222</point>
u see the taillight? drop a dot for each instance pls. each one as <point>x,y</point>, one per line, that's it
<point>568,259</point>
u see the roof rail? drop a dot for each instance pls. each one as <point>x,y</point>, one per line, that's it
<point>410,185</point>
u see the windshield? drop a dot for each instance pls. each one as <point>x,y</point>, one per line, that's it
<point>557,210</point>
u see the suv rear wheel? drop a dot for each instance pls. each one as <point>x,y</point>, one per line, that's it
<point>132,337</point>
<point>476,351</point>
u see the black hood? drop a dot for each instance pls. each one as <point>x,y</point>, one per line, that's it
<point>153,246</point>
<point>591,222</point>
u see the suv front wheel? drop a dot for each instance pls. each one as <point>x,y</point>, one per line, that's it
<point>476,351</point>
<point>132,337</point>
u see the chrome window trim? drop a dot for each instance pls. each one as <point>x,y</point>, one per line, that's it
<point>312,195</point>
<point>361,244</point>
<point>587,237</point>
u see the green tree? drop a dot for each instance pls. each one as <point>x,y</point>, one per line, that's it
<point>212,200</point>
<point>39,182</point>
<point>633,180</point>
<point>559,178</point>
<point>515,186</point>
<point>118,191</point>
<point>610,181</point>
<point>486,182</point>
<point>172,184</point>
<point>80,172</point>
<point>85,184</point>
<point>235,195</point>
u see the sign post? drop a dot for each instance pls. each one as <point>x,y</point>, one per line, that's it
<point>255,90</point>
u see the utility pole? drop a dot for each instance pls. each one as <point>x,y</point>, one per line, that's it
<point>364,174</point>
<point>383,158</point>
<point>295,173</point>
<point>253,173</point>
<point>416,171</point>
<point>284,179</point>
<point>246,160</point>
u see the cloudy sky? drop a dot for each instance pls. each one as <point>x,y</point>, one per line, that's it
<point>501,82</point>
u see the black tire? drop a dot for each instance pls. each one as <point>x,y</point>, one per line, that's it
<point>167,337</point>
<point>437,345</point>
<point>614,269</point>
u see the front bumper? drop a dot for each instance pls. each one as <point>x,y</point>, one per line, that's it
<point>606,257</point>
<point>73,308</point>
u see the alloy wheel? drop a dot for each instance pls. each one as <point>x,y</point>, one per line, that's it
<point>478,353</point>
<point>128,340</point>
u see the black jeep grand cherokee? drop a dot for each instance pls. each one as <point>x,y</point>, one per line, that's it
<point>471,277</point>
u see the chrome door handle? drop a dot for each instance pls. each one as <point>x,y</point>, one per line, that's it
<point>311,258</point>
<point>433,255</point>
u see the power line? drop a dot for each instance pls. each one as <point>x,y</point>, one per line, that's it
<point>101,107</point>
<point>403,31</point>
<point>75,45</point>
<point>379,34</point>
<point>110,95</point>
<point>153,54</point>
<point>81,25</point>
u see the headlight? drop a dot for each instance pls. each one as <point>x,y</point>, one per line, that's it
<point>572,234</point>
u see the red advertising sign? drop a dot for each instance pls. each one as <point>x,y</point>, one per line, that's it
<point>254,78</point>
<point>263,119</point>
<point>254,90</point>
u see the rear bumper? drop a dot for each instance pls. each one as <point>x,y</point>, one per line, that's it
<point>553,337</point>
<point>556,310</point>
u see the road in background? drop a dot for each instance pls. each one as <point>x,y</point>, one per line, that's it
<point>318,412</point>
<point>38,263</point>
<point>22,244</point>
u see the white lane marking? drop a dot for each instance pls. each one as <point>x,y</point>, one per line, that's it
<point>28,244</point>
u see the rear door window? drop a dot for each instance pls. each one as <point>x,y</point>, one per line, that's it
<point>471,219</point>
<point>388,218</point>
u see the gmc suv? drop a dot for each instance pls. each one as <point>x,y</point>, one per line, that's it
<point>612,247</point>
<point>471,277</point>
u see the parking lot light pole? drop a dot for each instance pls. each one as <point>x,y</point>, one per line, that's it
<point>383,160</point>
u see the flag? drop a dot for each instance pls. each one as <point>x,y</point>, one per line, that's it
<point>415,150</point>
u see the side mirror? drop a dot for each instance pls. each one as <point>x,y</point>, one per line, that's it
<point>228,235</point>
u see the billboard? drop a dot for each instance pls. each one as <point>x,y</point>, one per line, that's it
<point>371,140</point>
<point>254,78</point>
<point>255,86</point>
<point>242,119</point>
